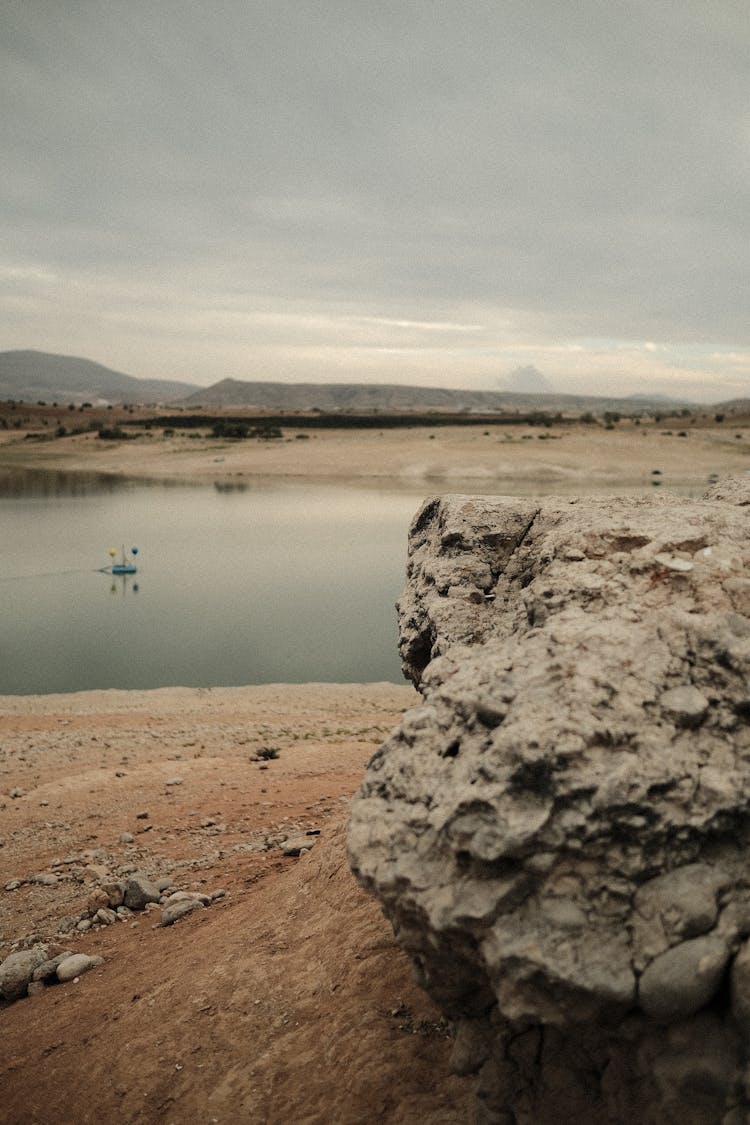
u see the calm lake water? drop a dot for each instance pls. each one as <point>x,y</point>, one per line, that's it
<point>259,583</point>
<point>234,585</point>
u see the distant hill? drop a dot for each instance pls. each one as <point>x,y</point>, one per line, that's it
<point>362,398</point>
<point>734,405</point>
<point>29,376</point>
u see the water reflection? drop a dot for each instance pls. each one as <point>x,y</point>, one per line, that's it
<point>29,483</point>
<point>123,584</point>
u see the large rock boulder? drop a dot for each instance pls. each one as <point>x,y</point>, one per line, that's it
<point>559,833</point>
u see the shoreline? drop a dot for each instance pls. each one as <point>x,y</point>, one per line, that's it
<point>568,457</point>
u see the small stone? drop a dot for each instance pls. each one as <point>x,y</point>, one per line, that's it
<point>115,893</point>
<point>296,845</point>
<point>84,925</point>
<point>143,815</point>
<point>45,880</point>
<point>672,562</point>
<point>126,838</point>
<point>17,970</point>
<point>105,917</point>
<point>48,968</point>
<point>188,896</point>
<point>139,891</point>
<point>16,793</point>
<point>76,964</point>
<point>97,899</point>
<point>177,910</point>
<point>13,885</point>
<point>683,980</point>
<point>174,781</point>
<point>686,705</point>
<point>164,883</point>
<point>216,895</point>
<point>491,712</point>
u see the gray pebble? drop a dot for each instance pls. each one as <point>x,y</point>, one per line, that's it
<point>17,970</point>
<point>76,964</point>
<point>126,838</point>
<point>105,916</point>
<point>45,880</point>
<point>296,845</point>
<point>683,980</point>
<point>175,910</point>
<point>139,891</point>
<point>48,969</point>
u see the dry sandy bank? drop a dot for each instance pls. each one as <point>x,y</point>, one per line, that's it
<point>439,459</point>
<point>287,1000</point>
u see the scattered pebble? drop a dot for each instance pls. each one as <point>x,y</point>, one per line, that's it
<point>176,910</point>
<point>72,967</point>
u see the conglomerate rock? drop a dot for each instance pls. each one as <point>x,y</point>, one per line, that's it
<point>559,832</point>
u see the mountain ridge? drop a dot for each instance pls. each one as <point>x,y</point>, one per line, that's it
<point>31,376</point>
<point>338,397</point>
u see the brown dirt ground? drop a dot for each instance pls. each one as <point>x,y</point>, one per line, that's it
<point>287,1001</point>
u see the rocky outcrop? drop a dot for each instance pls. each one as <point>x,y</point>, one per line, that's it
<point>560,832</point>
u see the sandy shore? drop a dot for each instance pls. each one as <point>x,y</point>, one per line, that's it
<point>442,459</point>
<point>287,1000</point>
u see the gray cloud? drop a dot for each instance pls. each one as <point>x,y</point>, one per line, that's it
<point>556,173</point>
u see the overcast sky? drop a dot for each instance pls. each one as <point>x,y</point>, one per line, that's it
<point>420,191</point>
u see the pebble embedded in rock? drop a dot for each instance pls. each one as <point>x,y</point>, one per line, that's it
<point>740,986</point>
<point>685,704</point>
<point>673,562</point>
<point>76,964</point>
<point>683,980</point>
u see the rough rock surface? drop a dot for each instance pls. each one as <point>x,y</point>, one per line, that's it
<point>559,832</point>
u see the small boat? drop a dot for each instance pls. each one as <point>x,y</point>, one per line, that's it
<point>126,565</point>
